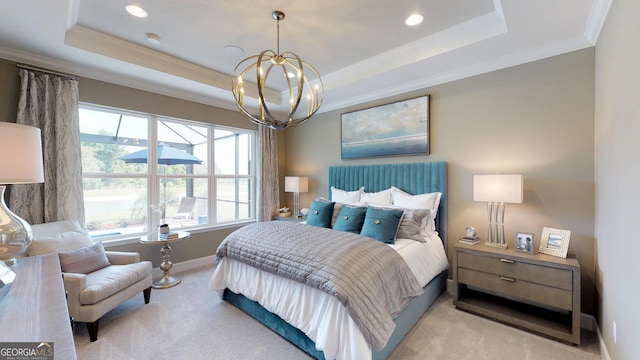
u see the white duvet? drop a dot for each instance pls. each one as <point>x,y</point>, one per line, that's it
<point>319,315</point>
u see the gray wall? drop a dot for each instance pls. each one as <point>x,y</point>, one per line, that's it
<point>535,119</point>
<point>9,85</point>
<point>617,174</point>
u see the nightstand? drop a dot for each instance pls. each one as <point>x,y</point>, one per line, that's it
<point>290,218</point>
<point>539,293</point>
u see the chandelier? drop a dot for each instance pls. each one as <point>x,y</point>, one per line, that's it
<point>284,78</point>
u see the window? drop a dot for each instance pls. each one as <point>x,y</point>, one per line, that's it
<point>141,170</point>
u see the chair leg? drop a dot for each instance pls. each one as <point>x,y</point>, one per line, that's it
<point>93,330</point>
<point>147,294</point>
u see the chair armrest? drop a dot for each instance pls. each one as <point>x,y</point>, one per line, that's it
<point>122,258</point>
<point>73,285</point>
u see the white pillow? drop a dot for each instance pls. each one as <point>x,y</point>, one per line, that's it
<point>54,227</point>
<point>421,201</point>
<point>60,242</point>
<point>380,197</point>
<point>346,197</point>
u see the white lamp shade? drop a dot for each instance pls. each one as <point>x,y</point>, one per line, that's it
<point>20,154</point>
<point>296,184</point>
<point>498,188</point>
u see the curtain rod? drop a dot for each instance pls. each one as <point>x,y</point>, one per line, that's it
<point>46,71</point>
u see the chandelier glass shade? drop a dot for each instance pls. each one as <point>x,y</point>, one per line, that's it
<point>280,78</point>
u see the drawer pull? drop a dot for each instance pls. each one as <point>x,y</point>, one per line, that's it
<point>508,261</point>
<point>507,279</point>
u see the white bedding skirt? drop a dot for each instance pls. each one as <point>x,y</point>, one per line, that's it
<point>319,315</point>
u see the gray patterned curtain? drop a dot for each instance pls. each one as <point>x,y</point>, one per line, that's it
<point>50,102</point>
<point>268,178</point>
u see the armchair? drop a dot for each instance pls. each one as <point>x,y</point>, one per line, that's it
<point>91,292</point>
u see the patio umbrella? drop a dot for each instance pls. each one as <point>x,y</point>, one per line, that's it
<point>167,155</point>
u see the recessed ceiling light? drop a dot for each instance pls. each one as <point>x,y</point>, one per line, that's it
<point>136,11</point>
<point>414,20</point>
<point>153,38</point>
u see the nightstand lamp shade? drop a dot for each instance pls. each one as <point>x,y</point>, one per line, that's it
<point>497,190</point>
<point>20,163</point>
<point>296,185</point>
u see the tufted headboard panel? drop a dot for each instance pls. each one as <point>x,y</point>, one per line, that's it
<point>414,178</point>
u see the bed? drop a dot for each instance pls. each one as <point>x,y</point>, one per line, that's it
<point>313,320</point>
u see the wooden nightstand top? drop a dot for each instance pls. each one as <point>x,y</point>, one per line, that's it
<point>570,261</point>
<point>290,218</point>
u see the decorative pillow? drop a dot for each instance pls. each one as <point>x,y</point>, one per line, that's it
<point>421,201</point>
<point>320,213</point>
<point>346,197</point>
<point>414,222</point>
<point>84,260</point>
<point>380,197</point>
<point>60,242</point>
<point>350,219</point>
<point>381,224</point>
<point>338,206</point>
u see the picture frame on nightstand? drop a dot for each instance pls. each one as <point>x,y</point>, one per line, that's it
<point>555,242</point>
<point>524,242</point>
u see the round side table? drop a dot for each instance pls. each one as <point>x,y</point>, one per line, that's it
<point>166,281</point>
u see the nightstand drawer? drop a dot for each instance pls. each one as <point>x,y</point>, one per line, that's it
<point>516,269</point>
<point>514,287</point>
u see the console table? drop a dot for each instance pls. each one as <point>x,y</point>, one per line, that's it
<point>35,307</point>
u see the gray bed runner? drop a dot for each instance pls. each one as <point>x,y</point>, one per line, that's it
<point>369,278</point>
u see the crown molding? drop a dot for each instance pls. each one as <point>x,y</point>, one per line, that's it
<point>464,34</point>
<point>597,17</point>
<point>479,68</point>
<point>99,43</point>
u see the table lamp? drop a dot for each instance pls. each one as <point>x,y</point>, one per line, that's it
<point>296,185</point>
<point>497,190</point>
<point>20,163</point>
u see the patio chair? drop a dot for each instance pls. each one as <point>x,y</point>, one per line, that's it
<point>185,209</point>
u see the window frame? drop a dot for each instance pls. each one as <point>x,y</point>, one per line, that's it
<point>154,177</point>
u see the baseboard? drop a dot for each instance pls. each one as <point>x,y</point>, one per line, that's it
<point>604,353</point>
<point>186,265</point>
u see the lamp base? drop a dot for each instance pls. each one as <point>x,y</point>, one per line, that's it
<point>495,244</point>
<point>15,233</point>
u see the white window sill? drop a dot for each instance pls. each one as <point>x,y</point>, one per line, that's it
<point>202,229</point>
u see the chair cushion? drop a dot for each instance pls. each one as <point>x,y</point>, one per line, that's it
<point>110,280</point>
<point>84,260</point>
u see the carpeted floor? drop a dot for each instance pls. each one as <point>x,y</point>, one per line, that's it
<point>190,322</point>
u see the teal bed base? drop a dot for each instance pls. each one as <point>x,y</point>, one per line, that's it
<point>414,178</point>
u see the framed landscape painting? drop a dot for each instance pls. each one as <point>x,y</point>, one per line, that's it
<point>400,128</point>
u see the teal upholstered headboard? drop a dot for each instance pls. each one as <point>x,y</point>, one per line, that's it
<point>414,178</point>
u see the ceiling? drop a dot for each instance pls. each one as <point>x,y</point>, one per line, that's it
<point>362,48</point>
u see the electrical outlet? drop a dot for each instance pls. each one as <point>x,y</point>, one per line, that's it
<point>614,330</point>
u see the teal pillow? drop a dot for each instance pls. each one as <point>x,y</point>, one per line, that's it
<point>350,219</point>
<point>381,224</point>
<point>320,213</point>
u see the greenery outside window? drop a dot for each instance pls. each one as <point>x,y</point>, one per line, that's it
<point>142,170</point>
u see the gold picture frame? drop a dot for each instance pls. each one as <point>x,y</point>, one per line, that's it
<point>555,242</point>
